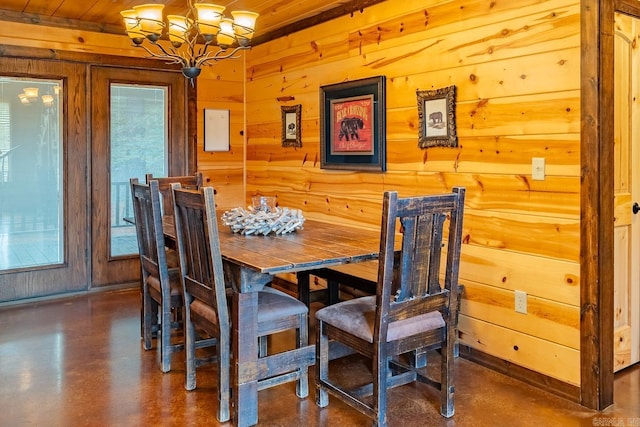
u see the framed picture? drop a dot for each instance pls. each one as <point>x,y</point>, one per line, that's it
<point>437,114</point>
<point>291,130</point>
<point>216,130</point>
<point>352,125</point>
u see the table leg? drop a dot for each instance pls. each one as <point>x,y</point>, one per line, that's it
<point>303,287</point>
<point>245,363</point>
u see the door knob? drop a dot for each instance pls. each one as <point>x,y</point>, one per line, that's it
<point>635,208</point>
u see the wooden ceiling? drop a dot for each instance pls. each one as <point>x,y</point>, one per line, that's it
<point>277,17</point>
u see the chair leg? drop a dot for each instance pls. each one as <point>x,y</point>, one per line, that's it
<point>147,318</point>
<point>165,336</point>
<point>380,375</point>
<point>224,397</point>
<point>190,349</point>
<point>302,335</point>
<point>447,408</point>
<point>322,364</point>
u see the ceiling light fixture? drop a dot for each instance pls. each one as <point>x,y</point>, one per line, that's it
<point>192,35</point>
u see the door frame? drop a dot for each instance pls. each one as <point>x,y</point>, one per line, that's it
<point>596,198</point>
<point>105,269</point>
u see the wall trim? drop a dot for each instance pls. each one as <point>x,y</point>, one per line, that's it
<point>533,378</point>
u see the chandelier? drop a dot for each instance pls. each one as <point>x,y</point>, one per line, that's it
<point>203,35</point>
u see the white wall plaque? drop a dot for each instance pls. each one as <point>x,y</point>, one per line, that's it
<point>216,130</point>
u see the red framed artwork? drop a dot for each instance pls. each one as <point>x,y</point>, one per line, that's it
<point>352,125</point>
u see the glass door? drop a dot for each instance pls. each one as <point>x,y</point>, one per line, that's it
<point>31,172</point>
<point>139,127</point>
<point>43,183</point>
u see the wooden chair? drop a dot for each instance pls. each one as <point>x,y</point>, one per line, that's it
<point>410,311</point>
<point>164,184</point>
<point>207,296</point>
<point>161,287</point>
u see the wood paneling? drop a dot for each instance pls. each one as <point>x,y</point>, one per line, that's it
<point>516,66</point>
<point>221,87</point>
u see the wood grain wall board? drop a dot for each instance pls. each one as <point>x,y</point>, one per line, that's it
<point>551,237</point>
<point>325,46</point>
<point>486,155</point>
<point>499,193</point>
<point>506,77</point>
<point>13,33</point>
<point>555,280</point>
<point>559,361</point>
<point>545,319</point>
<point>216,92</point>
<point>442,19</point>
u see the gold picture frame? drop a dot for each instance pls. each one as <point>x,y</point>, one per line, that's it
<point>291,127</point>
<point>437,115</point>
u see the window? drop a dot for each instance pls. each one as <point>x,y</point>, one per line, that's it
<point>31,175</point>
<point>138,146</point>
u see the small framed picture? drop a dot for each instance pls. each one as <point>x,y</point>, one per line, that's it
<point>216,130</point>
<point>291,132</point>
<point>352,125</point>
<point>437,115</point>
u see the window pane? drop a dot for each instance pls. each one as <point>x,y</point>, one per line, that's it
<point>31,191</point>
<point>138,146</point>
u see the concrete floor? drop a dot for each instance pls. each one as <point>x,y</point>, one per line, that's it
<point>79,362</point>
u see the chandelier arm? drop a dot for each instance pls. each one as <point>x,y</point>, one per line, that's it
<point>215,57</point>
<point>219,56</point>
<point>173,59</point>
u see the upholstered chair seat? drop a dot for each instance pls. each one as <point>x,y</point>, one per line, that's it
<point>357,317</point>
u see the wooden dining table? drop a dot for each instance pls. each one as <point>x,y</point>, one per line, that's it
<point>250,263</point>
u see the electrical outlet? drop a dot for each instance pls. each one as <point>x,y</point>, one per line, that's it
<point>537,168</point>
<point>521,302</point>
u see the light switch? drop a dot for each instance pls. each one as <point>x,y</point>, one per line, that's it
<point>537,168</point>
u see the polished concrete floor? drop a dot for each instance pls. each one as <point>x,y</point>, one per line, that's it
<point>79,362</point>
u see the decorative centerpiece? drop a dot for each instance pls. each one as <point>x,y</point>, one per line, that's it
<point>263,217</point>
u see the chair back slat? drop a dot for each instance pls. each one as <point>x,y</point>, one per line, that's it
<point>148,219</point>
<point>409,283</point>
<point>164,184</point>
<point>199,248</point>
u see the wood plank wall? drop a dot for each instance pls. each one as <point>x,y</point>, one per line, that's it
<point>516,65</point>
<point>222,87</point>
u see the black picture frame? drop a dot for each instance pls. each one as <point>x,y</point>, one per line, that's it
<point>291,126</point>
<point>353,125</point>
<point>437,115</point>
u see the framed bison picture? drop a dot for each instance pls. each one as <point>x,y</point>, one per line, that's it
<point>352,125</point>
<point>291,121</point>
<point>437,115</point>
